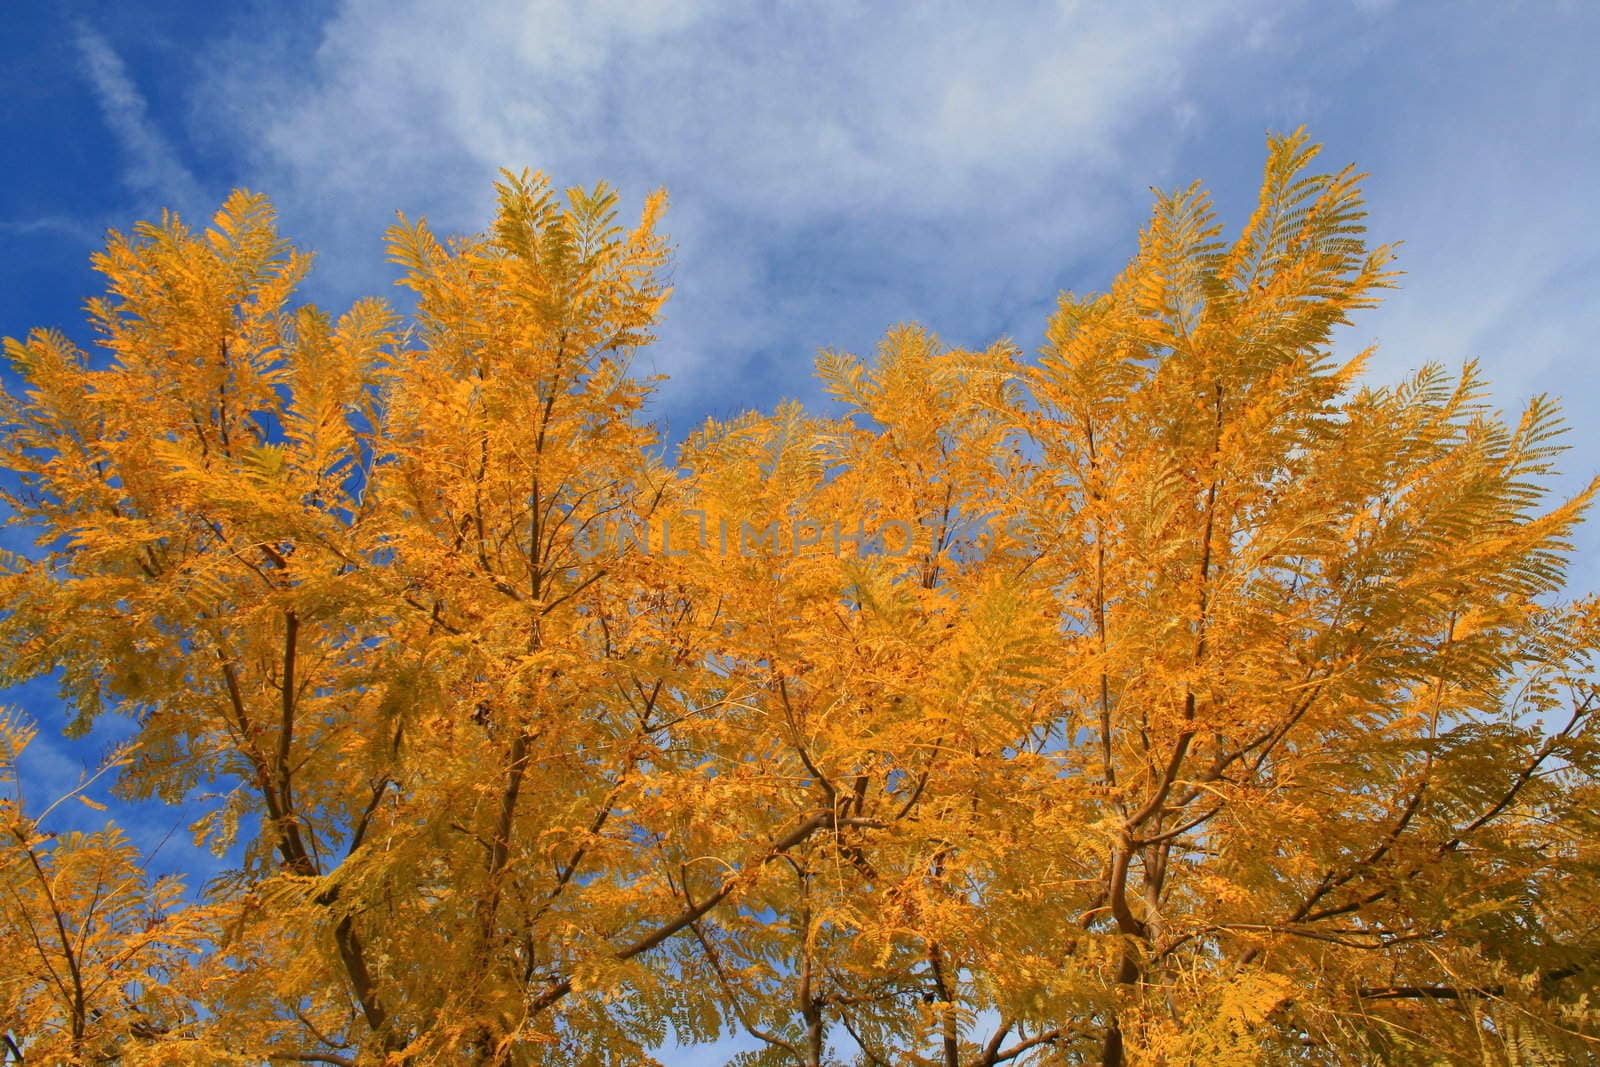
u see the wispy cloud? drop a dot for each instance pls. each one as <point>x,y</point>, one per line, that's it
<point>75,230</point>
<point>153,168</point>
<point>834,168</point>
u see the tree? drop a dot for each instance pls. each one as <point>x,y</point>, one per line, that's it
<point>1171,698</point>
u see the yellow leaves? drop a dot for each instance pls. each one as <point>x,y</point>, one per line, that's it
<point>1229,1023</point>
<point>218,829</point>
<point>1169,281</point>
<point>81,920</point>
<point>17,732</point>
<point>1165,655</point>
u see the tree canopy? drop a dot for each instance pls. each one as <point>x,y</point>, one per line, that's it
<point>1171,697</point>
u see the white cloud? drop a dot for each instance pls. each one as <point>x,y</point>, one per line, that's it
<point>63,226</point>
<point>798,108</point>
<point>813,152</point>
<point>153,167</point>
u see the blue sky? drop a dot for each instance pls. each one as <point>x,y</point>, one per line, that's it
<point>834,169</point>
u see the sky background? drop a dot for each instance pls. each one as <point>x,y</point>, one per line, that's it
<point>833,169</point>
